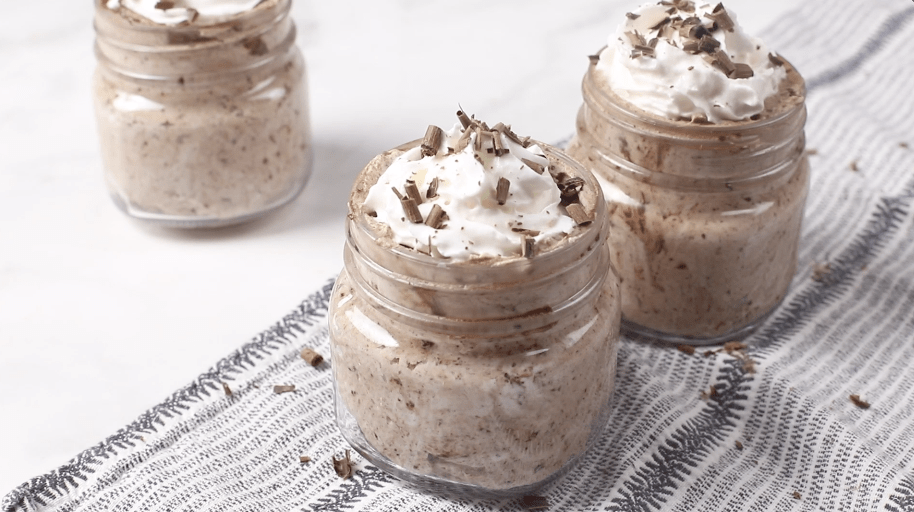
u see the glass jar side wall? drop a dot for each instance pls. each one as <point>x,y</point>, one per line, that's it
<point>492,416</point>
<point>702,259</point>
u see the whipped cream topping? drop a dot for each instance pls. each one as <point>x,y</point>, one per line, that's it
<point>176,12</point>
<point>660,62</point>
<point>475,223</point>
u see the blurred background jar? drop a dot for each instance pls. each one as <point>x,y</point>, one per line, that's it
<point>704,218</point>
<point>202,116</point>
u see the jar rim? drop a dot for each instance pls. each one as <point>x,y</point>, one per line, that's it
<point>495,268</point>
<point>630,112</point>
<point>151,37</point>
<point>456,295</point>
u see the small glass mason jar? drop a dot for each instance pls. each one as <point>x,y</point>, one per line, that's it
<point>201,125</point>
<point>483,379</point>
<point>704,218</point>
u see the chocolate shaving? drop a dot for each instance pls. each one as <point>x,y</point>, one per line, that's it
<point>748,365</point>
<point>343,466</point>
<point>432,140</point>
<point>691,47</point>
<point>432,190</point>
<point>435,217</point>
<point>397,192</point>
<point>280,388</point>
<point>632,16</point>
<point>863,404</point>
<point>820,272</point>
<point>774,59</point>
<point>528,246</point>
<point>537,168</point>
<point>464,140</point>
<point>722,62</point>
<point>685,5</point>
<point>478,144</point>
<point>464,119</point>
<point>304,458</point>
<point>636,39</point>
<point>711,392</point>
<point>734,346</point>
<point>661,23</point>
<point>797,495</point>
<point>571,187</point>
<point>530,232</point>
<point>500,149</point>
<point>708,44</point>
<point>535,502</point>
<point>311,357</point>
<point>739,445</point>
<point>501,190</point>
<point>507,132</point>
<point>686,349</point>
<point>576,211</point>
<point>226,389</point>
<point>411,208</point>
<point>699,32</point>
<point>163,5</point>
<point>413,191</point>
<point>255,46</point>
<point>645,50</point>
<point>742,71</point>
<point>721,17</point>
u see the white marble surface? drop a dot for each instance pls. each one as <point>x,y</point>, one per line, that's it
<point>102,317</point>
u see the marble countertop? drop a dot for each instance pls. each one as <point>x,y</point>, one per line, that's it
<point>102,317</point>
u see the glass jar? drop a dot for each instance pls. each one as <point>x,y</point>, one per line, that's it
<point>480,379</point>
<point>201,125</point>
<point>704,218</point>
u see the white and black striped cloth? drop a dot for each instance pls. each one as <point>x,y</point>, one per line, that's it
<point>847,327</point>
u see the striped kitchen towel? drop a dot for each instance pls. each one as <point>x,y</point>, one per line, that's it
<point>785,436</point>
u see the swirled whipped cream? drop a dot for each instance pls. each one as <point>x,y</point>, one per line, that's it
<point>683,60</point>
<point>176,12</point>
<point>461,216</point>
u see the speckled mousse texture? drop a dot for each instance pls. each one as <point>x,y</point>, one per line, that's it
<point>699,256</point>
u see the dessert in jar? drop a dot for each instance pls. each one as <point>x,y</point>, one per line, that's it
<point>201,108</point>
<point>695,131</point>
<point>475,326</point>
